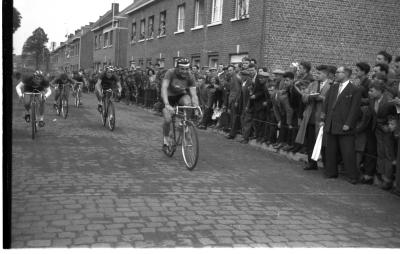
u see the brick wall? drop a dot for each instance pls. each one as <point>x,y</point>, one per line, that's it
<point>87,50</point>
<point>220,40</point>
<point>340,32</point>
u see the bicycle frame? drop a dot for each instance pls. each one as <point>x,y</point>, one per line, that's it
<point>34,103</point>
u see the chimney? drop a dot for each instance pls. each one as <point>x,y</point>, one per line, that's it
<point>115,7</point>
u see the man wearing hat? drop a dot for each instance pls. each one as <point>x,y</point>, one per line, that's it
<point>247,92</point>
<point>258,98</point>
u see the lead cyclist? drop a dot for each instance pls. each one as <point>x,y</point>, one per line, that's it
<point>177,88</point>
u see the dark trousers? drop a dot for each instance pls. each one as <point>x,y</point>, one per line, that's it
<point>370,155</point>
<point>247,124</point>
<point>235,120</point>
<point>310,142</point>
<point>259,123</point>
<point>385,152</point>
<point>344,144</point>
<point>270,127</point>
<point>283,131</point>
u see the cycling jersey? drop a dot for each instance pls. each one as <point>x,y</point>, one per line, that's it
<point>178,85</point>
<point>108,83</point>
<point>30,86</point>
<point>58,81</point>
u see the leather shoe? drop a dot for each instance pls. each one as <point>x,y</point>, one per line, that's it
<point>229,137</point>
<point>386,185</point>
<point>311,167</point>
<point>367,181</point>
<point>352,180</point>
<point>244,141</point>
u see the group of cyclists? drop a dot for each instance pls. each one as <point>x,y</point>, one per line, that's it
<point>177,88</point>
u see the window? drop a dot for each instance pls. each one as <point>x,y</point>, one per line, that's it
<point>140,62</point>
<point>95,42</point>
<point>213,61</point>
<point>111,38</point>
<point>198,13</point>
<point>142,29</point>
<point>216,12</point>
<point>195,60</point>
<point>99,40</point>
<point>151,27</point>
<point>105,40</point>
<point>235,59</point>
<point>163,24</point>
<point>161,62</point>
<point>181,18</point>
<point>242,9</point>
<point>133,32</point>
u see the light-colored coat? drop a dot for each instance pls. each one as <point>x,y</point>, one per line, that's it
<point>313,109</point>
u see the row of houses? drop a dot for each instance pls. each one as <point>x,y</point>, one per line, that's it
<point>212,32</point>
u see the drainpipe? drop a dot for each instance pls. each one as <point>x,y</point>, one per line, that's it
<point>262,43</point>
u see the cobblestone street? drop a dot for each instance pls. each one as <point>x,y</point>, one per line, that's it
<point>80,185</point>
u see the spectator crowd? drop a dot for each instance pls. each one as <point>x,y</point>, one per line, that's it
<point>357,107</point>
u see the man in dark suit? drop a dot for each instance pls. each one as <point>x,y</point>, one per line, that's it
<point>234,87</point>
<point>340,114</point>
<point>256,102</point>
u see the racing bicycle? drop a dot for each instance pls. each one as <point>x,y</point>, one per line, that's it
<point>77,94</point>
<point>183,133</point>
<point>62,102</point>
<point>108,111</point>
<point>36,98</point>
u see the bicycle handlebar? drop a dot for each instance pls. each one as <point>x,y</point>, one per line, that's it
<point>187,107</point>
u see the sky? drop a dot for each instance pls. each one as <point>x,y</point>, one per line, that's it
<point>58,17</point>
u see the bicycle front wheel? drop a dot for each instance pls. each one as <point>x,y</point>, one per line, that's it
<point>33,119</point>
<point>64,108</point>
<point>190,145</point>
<point>111,116</point>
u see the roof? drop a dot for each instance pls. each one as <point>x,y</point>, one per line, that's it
<point>103,20</point>
<point>138,4</point>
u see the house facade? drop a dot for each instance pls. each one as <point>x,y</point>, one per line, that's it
<point>109,39</point>
<point>209,32</point>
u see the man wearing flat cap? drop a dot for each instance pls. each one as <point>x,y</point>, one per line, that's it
<point>258,99</point>
<point>247,92</point>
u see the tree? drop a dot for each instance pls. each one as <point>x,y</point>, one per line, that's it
<point>16,19</point>
<point>35,47</point>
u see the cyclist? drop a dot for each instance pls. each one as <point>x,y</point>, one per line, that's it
<point>58,82</point>
<point>79,81</point>
<point>177,88</point>
<point>106,81</point>
<point>34,83</point>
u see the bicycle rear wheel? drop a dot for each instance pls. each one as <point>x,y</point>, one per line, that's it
<point>64,107</point>
<point>111,116</point>
<point>190,145</point>
<point>33,119</point>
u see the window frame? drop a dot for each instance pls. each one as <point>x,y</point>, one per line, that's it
<point>133,35</point>
<point>198,13</point>
<point>163,18</point>
<point>150,25</point>
<point>180,24</point>
<point>142,34</point>
<point>237,11</point>
<point>211,57</point>
<point>214,11</point>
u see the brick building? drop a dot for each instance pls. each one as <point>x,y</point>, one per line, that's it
<point>207,32</point>
<point>110,39</point>
<point>76,52</point>
<point>276,33</point>
<point>333,32</point>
